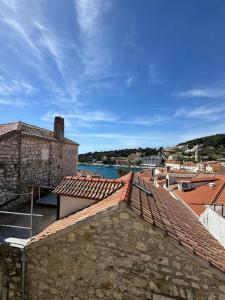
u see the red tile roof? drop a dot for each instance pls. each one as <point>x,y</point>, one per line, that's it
<point>147,174</point>
<point>158,208</point>
<point>220,199</point>
<point>29,130</point>
<point>203,194</point>
<point>89,188</point>
<point>204,179</point>
<point>173,162</point>
<point>120,195</point>
<point>6,128</point>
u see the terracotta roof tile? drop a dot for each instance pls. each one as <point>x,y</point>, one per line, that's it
<point>89,188</point>
<point>204,194</point>
<point>220,199</point>
<point>203,179</point>
<point>120,195</point>
<point>147,174</point>
<point>6,128</point>
<point>157,207</point>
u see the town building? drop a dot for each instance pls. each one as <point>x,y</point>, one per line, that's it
<point>136,243</point>
<point>120,160</point>
<point>75,193</point>
<point>30,155</point>
<point>173,164</point>
<point>205,196</point>
<point>152,160</point>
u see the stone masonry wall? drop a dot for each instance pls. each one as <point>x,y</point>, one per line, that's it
<point>9,167</point>
<point>64,161</point>
<point>45,162</point>
<point>28,160</point>
<point>116,255</point>
<point>10,273</point>
<point>34,165</point>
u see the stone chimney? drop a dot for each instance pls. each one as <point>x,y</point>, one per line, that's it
<point>59,128</point>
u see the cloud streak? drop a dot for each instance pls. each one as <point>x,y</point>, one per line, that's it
<point>203,93</point>
<point>204,112</point>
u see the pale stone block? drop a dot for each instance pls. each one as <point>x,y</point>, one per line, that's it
<point>140,246</point>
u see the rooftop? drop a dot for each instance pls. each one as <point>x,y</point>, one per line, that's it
<point>88,187</point>
<point>29,130</point>
<point>19,237</point>
<point>158,208</point>
<point>203,194</point>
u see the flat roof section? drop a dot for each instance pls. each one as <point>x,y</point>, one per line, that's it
<point>19,237</point>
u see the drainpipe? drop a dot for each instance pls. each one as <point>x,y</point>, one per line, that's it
<point>23,274</point>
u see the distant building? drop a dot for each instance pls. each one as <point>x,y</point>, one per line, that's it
<point>120,160</point>
<point>30,155</point>
<point>204,194</point>
<point>152,160</point>
<point>189,166</point>
<point>173,164</point>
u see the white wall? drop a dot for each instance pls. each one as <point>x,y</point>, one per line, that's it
<point>69,205</point>
<point>214,223</point>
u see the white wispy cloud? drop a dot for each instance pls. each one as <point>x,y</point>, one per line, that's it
<point>129,81</point>
<point>9,87</point>
<point>94,52</point>
<point>87,116</point>
<point>206,112</point>
<point>154,77</point>
<point>42,44</point>
<point>203,93</point>
<point>152,119</point>
<point>13,102</point>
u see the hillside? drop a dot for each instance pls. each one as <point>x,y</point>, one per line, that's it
<point>212,146</point>
<point>98,155</point>
<point>216,140</point>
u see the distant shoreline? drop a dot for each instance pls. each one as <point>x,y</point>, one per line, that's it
<point>117,166</point>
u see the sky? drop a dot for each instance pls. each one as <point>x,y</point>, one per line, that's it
<point>123,73</point>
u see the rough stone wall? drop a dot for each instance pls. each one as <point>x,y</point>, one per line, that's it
<point>9,167</point>
<point>36,161</point>
<point>116,255</point>
<point>45,162</point>
<point>34,167</point>
<point>10,273</point>
<point>64,161</point>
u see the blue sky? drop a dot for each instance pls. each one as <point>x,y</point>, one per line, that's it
<point>123,73</point>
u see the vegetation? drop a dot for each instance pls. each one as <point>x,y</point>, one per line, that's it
<point>211,147</point>
<point>107,155</point>
<point>216,141</point>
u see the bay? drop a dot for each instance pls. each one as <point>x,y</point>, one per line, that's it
<point>106,171</point>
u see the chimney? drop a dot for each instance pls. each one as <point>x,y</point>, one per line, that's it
<point>59,128</point>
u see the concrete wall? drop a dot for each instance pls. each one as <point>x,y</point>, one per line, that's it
<point>116,255</point>
<point>214,223</point>
<point>69,205</point>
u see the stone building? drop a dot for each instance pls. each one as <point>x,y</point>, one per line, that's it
<point>30,155</point>
<point>137,243</point>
